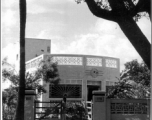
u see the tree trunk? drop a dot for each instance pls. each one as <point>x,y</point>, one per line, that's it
<point>136,37</point>
<point>21,94</point>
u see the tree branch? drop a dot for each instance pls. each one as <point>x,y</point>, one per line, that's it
<point>136,37</point>
<point>142,6</point>
<point>98,11</point>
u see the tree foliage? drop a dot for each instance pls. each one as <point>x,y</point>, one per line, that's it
<point>125,13</point>
<point>77,111</point>
<point>9,100</point>
<point>47,71</point>
<point>121,90</point>
<point>131,8</point>
<point>138,72</point>
<point>134,82</point>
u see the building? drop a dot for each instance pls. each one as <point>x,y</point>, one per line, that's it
<point>79,74</point>
<point>33,48</point>
<point>36,47</point>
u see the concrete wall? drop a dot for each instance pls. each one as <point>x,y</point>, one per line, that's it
<point>123,109</point>
<point>119,109</point>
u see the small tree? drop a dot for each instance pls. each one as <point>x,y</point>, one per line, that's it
<point>138,72</point>
<point>9,101</point>
<point>121,90</point>
<point>46,71</point>
<point>134,82</point>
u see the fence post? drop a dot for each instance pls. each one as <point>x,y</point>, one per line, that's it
<point>29,104</point>
<point>35,109</point>
<point>99,105</point>
<point>108,107</point>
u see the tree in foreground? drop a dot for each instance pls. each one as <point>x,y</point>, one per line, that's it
<point>134,82</point>
<point>19,114</point>
<point>46,71</point>
<point>125,13</point>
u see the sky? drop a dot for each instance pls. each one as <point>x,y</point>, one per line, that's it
<point>71,27</point>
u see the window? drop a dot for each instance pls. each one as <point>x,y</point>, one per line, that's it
<point>94,62</point>
<point>111,63</point>
<point>72,91</point>
<point>48,49</point>
<point>64,60</point>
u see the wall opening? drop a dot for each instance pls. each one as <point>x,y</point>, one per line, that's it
<point>91,88</point>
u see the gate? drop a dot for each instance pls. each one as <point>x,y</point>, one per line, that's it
<point>58,110</point>
<point>47,110</point>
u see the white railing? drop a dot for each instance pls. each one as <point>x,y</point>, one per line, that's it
<point>89,109</point>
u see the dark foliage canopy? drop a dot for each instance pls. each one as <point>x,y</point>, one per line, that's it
<point>47,71</point>
<point>134,82</point>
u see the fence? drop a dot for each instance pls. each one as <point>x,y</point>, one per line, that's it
<point>57,110</point>
<point>131,109</point>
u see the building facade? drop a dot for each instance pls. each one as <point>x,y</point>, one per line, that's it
<point>35,47</point>
<point>79,74</point>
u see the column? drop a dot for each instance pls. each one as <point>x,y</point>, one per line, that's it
<point>29,104</point>
<point>99,105</point>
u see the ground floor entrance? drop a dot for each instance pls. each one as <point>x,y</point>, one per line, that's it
<point>90,89</point>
